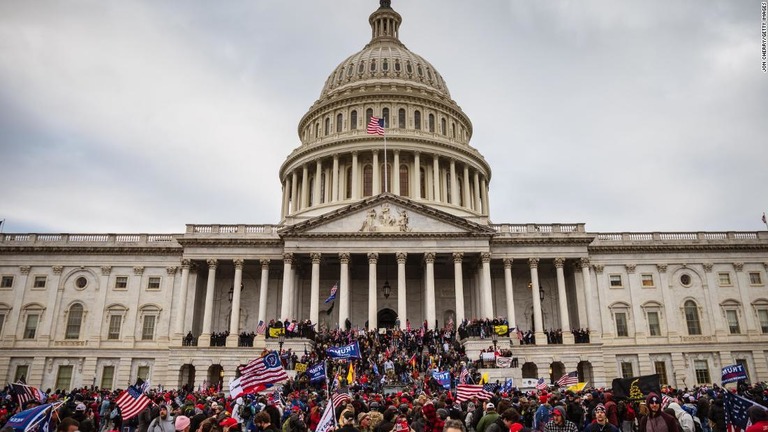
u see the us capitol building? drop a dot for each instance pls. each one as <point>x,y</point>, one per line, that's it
<point>405,230</point>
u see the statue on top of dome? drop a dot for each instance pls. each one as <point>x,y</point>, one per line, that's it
<point>386,4</point>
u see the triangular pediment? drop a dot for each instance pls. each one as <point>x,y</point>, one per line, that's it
<point>387,214</point>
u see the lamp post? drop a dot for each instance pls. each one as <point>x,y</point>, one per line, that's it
<point>281,341</point>
<point>495,339</point>
<point>541,293</point>
<point>387,289</point>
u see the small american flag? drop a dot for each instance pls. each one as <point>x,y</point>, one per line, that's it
<point>568,379</point>
<point>340,396</point>
<point>464,377</point>
<point>261,328</point>
<point>376,126</point>
<point>541,385</point>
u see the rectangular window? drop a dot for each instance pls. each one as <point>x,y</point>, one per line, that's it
<point>762,315</point>
<point>153,283</point>
<point>621,324</point>
<point>121,282</point>
<point>755,278</point>
<point>2,322</point>
<point>143,372</point>
<point>626,370</point>
<point>107,377</point>
<point>702,371</point>
<point>648,281</point>
<point>6,282</point>
<point>615,280</point>
<point>40,281</point>
<point>654,326</point>
<point>64,377</point>
<point>724,279</point>
<point>30,327</point>
<point>743,363</point>
<point>148,328</point>
<point>661,369</point>
<point>733,321</point>
<point>115,322</point>
<point>22,372</point>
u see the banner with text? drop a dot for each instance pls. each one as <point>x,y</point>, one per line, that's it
<point>344,352</point>
<point>734,373</point>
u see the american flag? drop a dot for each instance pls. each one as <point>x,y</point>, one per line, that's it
<point>568,379</point>
<point>464,377</point>
<point>332,295</point>
<point>490,388</point>
<point>261,328</point>
<point>376,126</point>
<point>736,407</point>
<point>25,393</point>
<point>262,371</point>
<point>465,392</point>
<point>541,385</point>
<point>132,402</point>
<point>340,397</point>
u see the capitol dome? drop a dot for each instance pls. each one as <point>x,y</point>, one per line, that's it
<point>424,154</point>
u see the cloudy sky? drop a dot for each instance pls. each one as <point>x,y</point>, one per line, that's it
<point>130,116</point>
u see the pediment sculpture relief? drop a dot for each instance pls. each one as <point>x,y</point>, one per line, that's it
<point>385,221</point>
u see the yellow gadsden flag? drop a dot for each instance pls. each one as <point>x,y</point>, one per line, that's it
<point>351,374</point>
<point>576,387</point>
<point>275,332</point>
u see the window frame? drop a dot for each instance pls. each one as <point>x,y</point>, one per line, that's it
<point>118,285</point>
<point>40,281</point>
<point>658,322</point>
<point>618,323</point>
<point>756,281</point>
<point>73,329</point>
<point>724,282</point>
<point>692,306</point>
<point>104,376</point>
<point>157,279</point>
<point>623,365</point>
<point>110,328</point>
<point>6,281</point>
<point>611,281</point>
<point>701,374</point>
<point>60,376</point>
<point>647,280</point>
<point>660,367</point>
<point>30,332</point>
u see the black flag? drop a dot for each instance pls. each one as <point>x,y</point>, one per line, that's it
<point>330,309</point>
<point>636,388</point>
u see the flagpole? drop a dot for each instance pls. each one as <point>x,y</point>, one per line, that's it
<point>386,177</point>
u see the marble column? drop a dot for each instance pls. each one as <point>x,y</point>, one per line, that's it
<point>205,337</point>
<point>401,291</point>
<point>509,290</point>
<point>454,187</point>
<point>263,290</point>
<point>484,197</point>
<point>487,290</point>
<point>234,318</point>
<point>589,298</point>
<point>478,203</point>
<point>344,258</point>
<point>316,199</point>
<point>465,190</point>
<point>286,197</point>
<point>304,186</point>
<point>416,189</point>
<point>373,259</point>
<point>376,184</point>
<point>181,301</point>
<point>538,325</point>
<point>395,173</point>
<point>436,178</point>
<point>294,192</point>
<point>565,320</point>
<point>335,179</point>
<point>314,301</point>
<point>355,177</point>
<point>458,281</point>
<point>285,304</point>
<point>429,259</point>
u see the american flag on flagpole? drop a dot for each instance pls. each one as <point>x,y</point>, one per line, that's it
<point>376,126</point>
<point>541,385</point>
<point>332,295</point>
<point>465,392</point>
<point>261,328</point>
<point>262,371</point>
<point>464,377</point>
<point>340,396</point>
<point>25,393</point>
<point>132,402</point>
<point>568,379</point>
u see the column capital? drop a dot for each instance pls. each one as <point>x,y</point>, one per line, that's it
<point>707,267</point>
<point>106,270</point>
<point>238,263</point>
<point>138,270</point>
<point>185,263</point>
<point>458,257</point>
<point>599,268</point>
<point>57,269</point>
<point>485,257</point>
<point>584,262</point>
<point>508,262</point>
<point>738,266</point>
<point>533,263</point>
<point>373,258</point>
<point>662,268</point>
<point>287,258</point>
<point>401,257</point>
<point>212,263</point>
<point>315,257</point>
<point>630,268</point>
<point>24,269</point>
<point>559,262</point>
<point>171,270</point>
<point>344,257</point>
<point>429,257</point>
<point>396,151</point>
<point>354,152</point>
<point>417,153</point>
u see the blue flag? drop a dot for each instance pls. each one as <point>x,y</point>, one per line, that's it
<point>736,410</point>
<point>443,378</point>
<point>733,373</point>
<point>316,372</point>
<point>344,352</point>
<point>29,419</point>
<point>332,295</point>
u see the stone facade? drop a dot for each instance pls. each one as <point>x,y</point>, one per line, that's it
<point>102,309</point>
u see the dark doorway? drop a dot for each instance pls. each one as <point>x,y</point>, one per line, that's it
<point>387,318</point>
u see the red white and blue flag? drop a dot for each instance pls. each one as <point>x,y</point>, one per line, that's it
<point>25,393</point>
<point>568,379</point>
<point>465,392</point>
<point>332,295</point>
<point>736,417</point>
<point>260,372</point>
<point>132,402</point>
<point>376,126</point>
<point>261,328</point>
<point>541,385</point>
<point>464,377</point>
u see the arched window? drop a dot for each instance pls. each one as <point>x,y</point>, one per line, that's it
<point>368,180</point>
<point>74,321</point>
<point>692,318</point>
<point>397,65</point>
<point>339,122</point>
<point>348,193</point>
<point>401,118</point>
<point>443,129</point>
<point>417,120</point>
<point>350,69</point>
<point>431,122</point>
<point>384,65</point>
<point>327,129</point>
<point>385,116</point>
<point>317,130</point>
<point>453,130</point>
<point>368,115</point>
<point>353,119</point>
<point>404,191</point>
<point>373,65</point>
<point>361,67</point>
<point>408,67</point>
